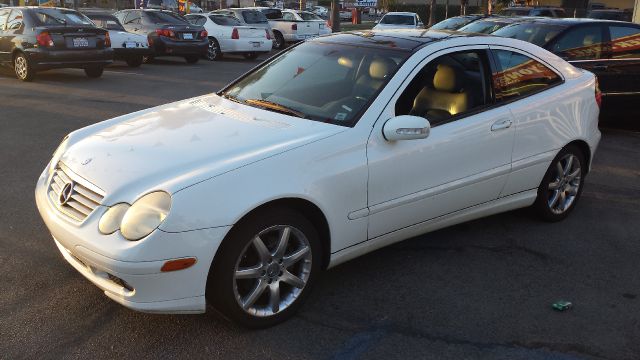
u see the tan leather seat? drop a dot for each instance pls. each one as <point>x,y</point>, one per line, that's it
<point>445,99</point>
<point>379,70</point>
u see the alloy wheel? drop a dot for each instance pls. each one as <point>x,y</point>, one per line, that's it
<point>564,187</point>
<point>21,67</point>
<point>272,270</point>
<point>212,52</point>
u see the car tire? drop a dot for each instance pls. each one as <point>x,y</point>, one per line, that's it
<point>214,53</point>
<point>192,59</point>
<point>271,288</point>
<point>135,61</point>
<point>562,185</point>
<point>94,72</point>
<point>148,59</point>
<point>278,40</point>
<point>22,67</point>
<point>250,55</point>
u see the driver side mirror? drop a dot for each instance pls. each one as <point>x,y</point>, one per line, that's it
<point>406,127</point>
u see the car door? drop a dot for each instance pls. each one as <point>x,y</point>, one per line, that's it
<point>5,48</point>
<point>620,81</point>
<point>463,162</point>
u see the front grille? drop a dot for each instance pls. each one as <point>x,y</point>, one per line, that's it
<point>72,195</point>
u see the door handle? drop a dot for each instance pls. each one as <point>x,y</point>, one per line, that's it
<point>600,68</point>
<point>501,124</point>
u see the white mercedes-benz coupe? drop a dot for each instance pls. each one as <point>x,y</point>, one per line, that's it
<point>334,148</point>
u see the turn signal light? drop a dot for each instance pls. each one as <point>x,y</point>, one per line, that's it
<point>178,264</point>
<point>268,36</point>
<point>165,32</point>
<point>598,94</point>
<point>204,34</point>
<point>107,40</point>
<point>294,26</point>
<point>235,34</point>
<point>44,39</point>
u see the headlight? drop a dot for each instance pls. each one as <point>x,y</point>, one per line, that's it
<point>58,154</point>
<point>112,218</point>
<point>145,215</point>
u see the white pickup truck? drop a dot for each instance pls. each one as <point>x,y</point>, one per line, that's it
<point>287,27</point>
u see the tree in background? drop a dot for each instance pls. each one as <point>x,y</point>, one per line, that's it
<point>432,13</point>
<point>463,7</point>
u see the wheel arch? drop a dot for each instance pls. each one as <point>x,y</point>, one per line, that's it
<point>586,151</point>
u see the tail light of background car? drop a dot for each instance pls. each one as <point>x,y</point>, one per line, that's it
<point>294,26</point>
<point>150,40</point>
<point>166,32</point>
<point>268,35</point>
<point>204,34</point>
<point>44,39</point>
<point>107,40</point>
<point>598,94</point>
<point>235,34</point>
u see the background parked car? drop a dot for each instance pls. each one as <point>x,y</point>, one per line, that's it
<point>228,36</point>
<point>488,25</point>
<point>254,18</point>
<point>607,48</point>
<point>533,11</point>
<point>169,34</point>
<point>610,14</point>
<point>456,22</point>
<point>346,15</point>
<point>195,9</point>
<point>298,15</point>
<point>35,39</point>
<point>286,25</point>
<point>126,46</point>
<point>399,20</point>
<point>171,5</point>
<point>320,11</point>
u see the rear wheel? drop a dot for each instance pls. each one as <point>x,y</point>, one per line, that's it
<point>135,61</point>
<point>250,56</point>
<point>192,59</point>
<point>265,268</point>
<point>278,40</point>
<point>148,59</point>
<point>94,72</point>
<point>214,53</point>
<point>562,185</point>
<point>22,67</point>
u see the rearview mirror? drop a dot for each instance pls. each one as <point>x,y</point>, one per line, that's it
<point>406,127</point>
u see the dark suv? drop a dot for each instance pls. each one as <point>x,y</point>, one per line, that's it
<point>169,34</point>
<point>609,49</point>
<point>34,39</point>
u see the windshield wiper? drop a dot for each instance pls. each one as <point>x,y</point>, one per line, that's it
<point>276,107</point>
<point>232,98</point>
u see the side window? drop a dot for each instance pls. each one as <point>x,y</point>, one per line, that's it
<point>625,42</point>
<point>15,20</point>
<point>519,75</point>
<point>4,14</point>
<point>288,16</point>
<point>581,43</point>
<point>450,85</point>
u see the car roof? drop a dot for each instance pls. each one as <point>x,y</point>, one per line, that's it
<point>400,13</point>
<point>401,39</point>
<point>569,21</point>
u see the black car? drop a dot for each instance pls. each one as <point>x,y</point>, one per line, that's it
<point>34,39</point>
<point>169,34</point>
<point>544,11</point>
<point>456,22</point>
<point>610,14</point>
<point>488,25</point>
<point>610,49</point>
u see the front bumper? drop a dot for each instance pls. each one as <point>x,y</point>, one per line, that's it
<point>43,59</point>
<point>129,271</point>
<point>244,46</point>
<point>166,46</point>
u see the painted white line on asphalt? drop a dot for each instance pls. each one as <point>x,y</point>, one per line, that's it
<point>122,72</point>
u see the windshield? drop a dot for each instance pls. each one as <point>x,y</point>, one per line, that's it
<point>254,17</point>
<point>61,17</point>
<point>453,23</point>
<point>165,17</point>
<point>107,22</point>
<point>539,34</point>
<point>482,27</point>
<point>319,81</point>
<point>224,20</point>
<point>398,20</point>
<point>309,16</point>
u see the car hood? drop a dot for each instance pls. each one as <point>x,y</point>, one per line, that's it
<point>176,145</point>
<point>393,26</point>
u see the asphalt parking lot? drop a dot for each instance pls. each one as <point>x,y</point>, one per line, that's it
<point>481,290</point>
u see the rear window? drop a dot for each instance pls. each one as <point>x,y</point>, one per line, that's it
<point>453,23</point>
<point>106,22</point>
<point>398,20</point>
<point>163,17</point>
<point>539,34</point>
<point>483,27</point>
<point>272,14</point>
<point>61,17</point>
<point>225,20</point>
<point>254,17</point>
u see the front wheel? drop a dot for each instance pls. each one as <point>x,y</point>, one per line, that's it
<point>22,67</point>
<point>192,59</point>
<point>94,72</point>
<point>265,268</point>
<point>562,185</point>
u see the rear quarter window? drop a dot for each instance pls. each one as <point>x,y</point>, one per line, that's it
<point>519,76</point>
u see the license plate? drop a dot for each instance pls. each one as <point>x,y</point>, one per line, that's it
<point>187,36</point>
<point>256,44</point>
<point>80,42</point>
<point>129,44</point>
